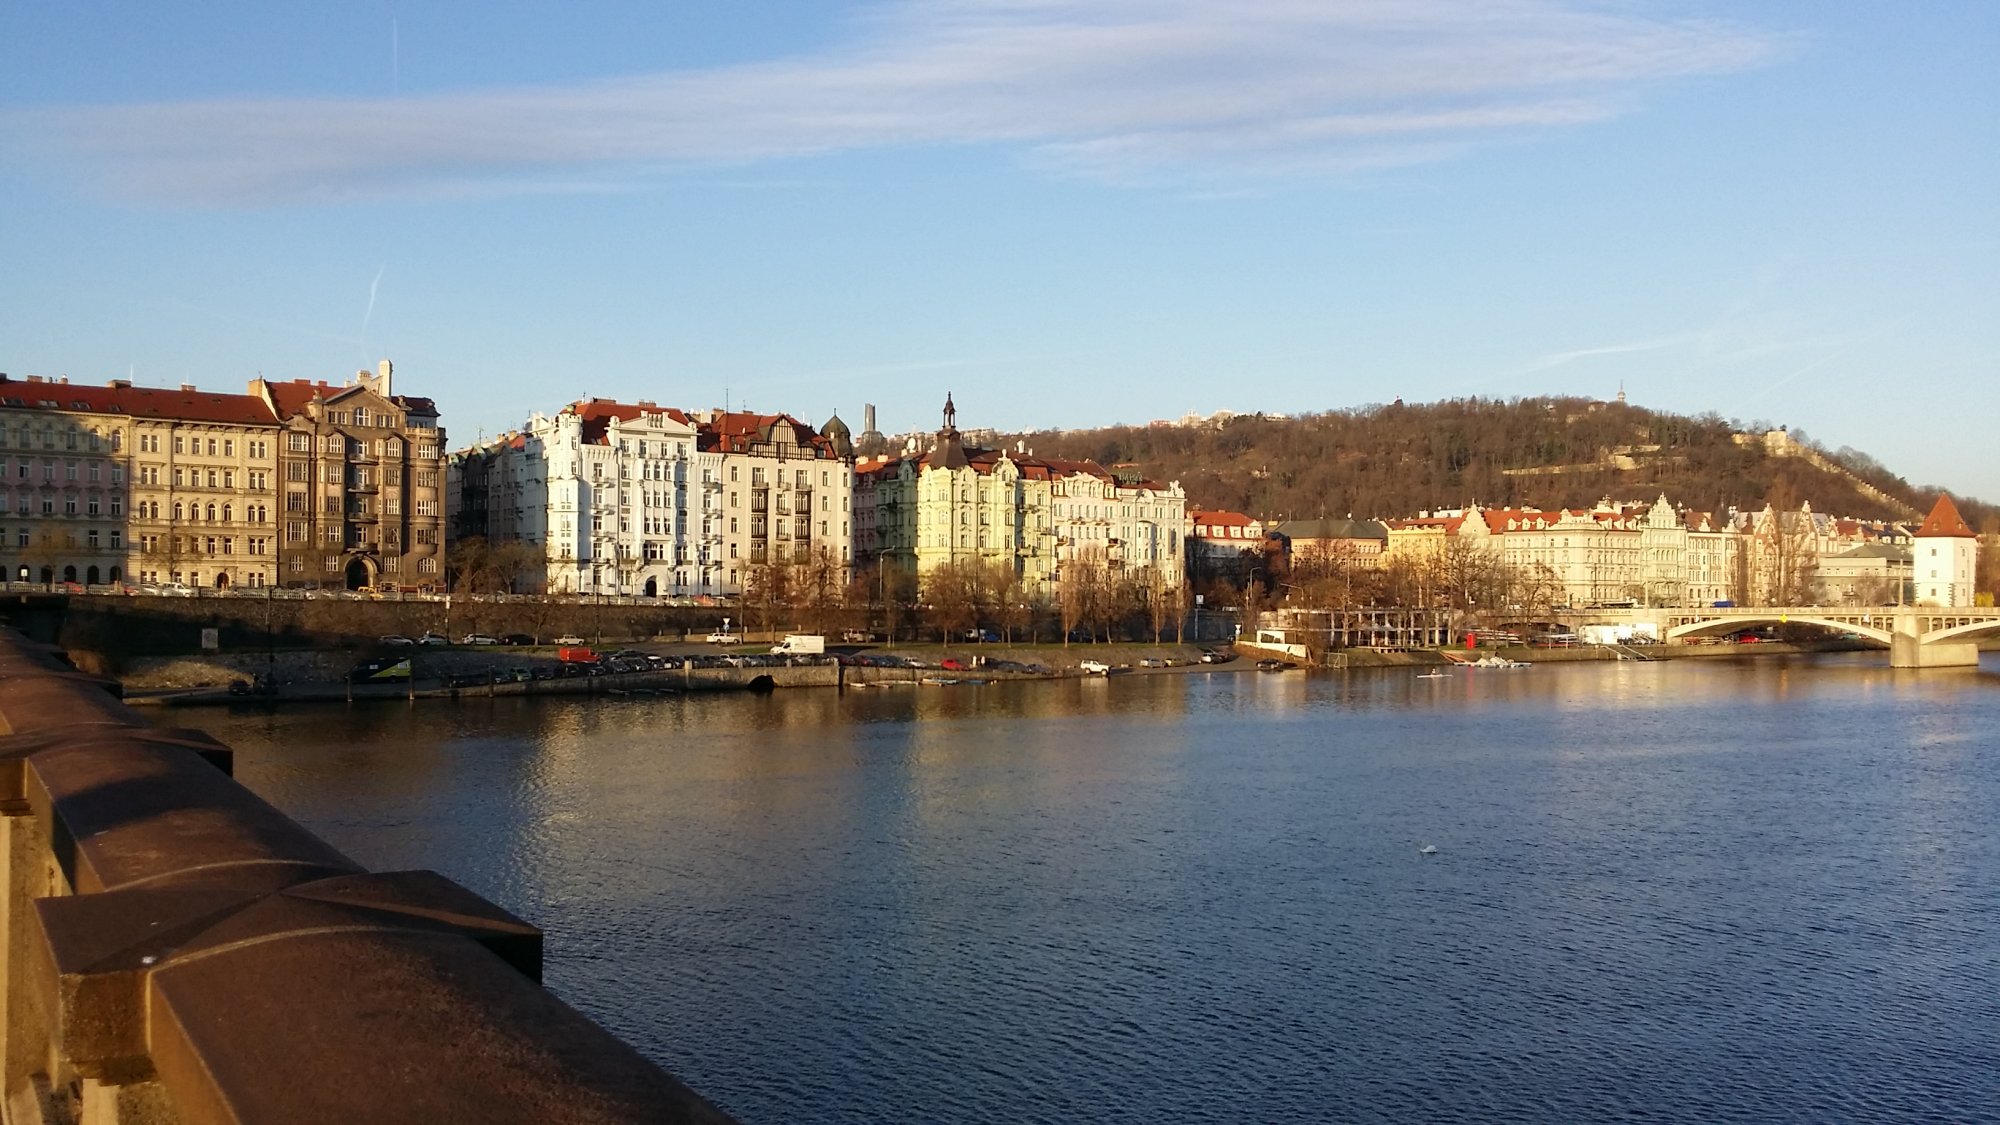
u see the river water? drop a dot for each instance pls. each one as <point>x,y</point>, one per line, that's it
<point>1689,891</point>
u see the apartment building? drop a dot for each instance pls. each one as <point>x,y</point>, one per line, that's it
<point>118,483</point>
<point>954,502</point>
<point>612,490</point>
<point>635,498</point>
<point>362,480</point>
<point>786,493</point>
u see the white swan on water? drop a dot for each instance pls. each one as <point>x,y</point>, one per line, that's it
<point>1428,849</point>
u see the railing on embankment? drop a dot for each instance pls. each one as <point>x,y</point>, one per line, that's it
<point>178,951</point>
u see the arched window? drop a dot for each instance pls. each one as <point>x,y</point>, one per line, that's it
<point>177,511</point>
<point>225,513</point>
<point>211,513</point>
<point>69,574</point>
<point>90,576</point>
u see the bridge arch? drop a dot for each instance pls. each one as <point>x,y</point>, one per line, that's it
<point>1729,622</point>
<point>1964,634</point>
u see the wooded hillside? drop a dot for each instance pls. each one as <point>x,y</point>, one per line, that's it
<point>1397,460</point>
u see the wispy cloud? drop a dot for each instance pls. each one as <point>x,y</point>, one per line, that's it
<point>1562,359</point>
<point>1117,89</point>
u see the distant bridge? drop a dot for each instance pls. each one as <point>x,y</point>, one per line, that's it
<point>1917,636</point>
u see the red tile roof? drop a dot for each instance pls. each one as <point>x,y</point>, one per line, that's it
<point>138,402</point>
<point>292,396</point>
<point>737,431</point>
<point>1945,522</point>
<point>599,413</point>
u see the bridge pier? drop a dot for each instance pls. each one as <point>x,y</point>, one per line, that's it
<point>1908,650</point>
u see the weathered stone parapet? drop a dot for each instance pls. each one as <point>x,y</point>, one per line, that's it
<point>177,950</point>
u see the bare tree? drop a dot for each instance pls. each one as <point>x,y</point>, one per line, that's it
<point>1080,593</point>
<point>953,592</point>
<point>767,590</point>
<point>519,567</point>
<point>898,588</point>
<point>165,552</point>
<point>1537,588</point>
<point>1161,602</point>
<point>467,570</point>
<point>1009,601</point>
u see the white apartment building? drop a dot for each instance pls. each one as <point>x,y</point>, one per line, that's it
<point>639,499</point>
<point>1137,527</point>
<point>1646,554</point>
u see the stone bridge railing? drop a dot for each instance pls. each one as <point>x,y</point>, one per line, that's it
<point>178,951</point>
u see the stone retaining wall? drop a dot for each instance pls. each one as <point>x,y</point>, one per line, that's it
<point>178,951</point>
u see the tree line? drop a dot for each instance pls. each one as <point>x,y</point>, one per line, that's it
<point>1395,460</point>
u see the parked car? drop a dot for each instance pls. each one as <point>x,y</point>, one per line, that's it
<point>953,664</point>
<point>433,639</point>
<point>177,589</point>
<point>721,638</point>
<point>517,639</point>
<point>983,636</point>
<point>1094,668</point>
<point>569,639</point>
<point>1152,662</point>
<point>478,639</point>
<point>1217,656</point>
<point>395,639</point>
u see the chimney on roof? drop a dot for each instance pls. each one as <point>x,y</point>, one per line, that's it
<point>382,372</point>
<point>34,378</point>
<point>64,380</point>
<point>119,384</point>
<point>187,388</point>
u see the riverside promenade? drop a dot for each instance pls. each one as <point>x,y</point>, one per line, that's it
<point>176,950</point>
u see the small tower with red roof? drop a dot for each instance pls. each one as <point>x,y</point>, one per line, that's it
<point>1946,554</point>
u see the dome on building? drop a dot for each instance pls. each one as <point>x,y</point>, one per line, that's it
<point>836,432</point>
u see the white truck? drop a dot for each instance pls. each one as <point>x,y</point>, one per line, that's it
<point>800,644</point>
<point>1621,633</point>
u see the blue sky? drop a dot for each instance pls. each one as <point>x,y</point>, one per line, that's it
<point>1066,212</point>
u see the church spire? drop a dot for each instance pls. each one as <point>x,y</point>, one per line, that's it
<point>950,413</point>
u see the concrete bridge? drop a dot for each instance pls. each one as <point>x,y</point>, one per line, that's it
<point>1917,636</point>
<point>178,952</point>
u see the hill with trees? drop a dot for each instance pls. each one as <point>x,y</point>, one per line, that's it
<point>1396,460</point>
